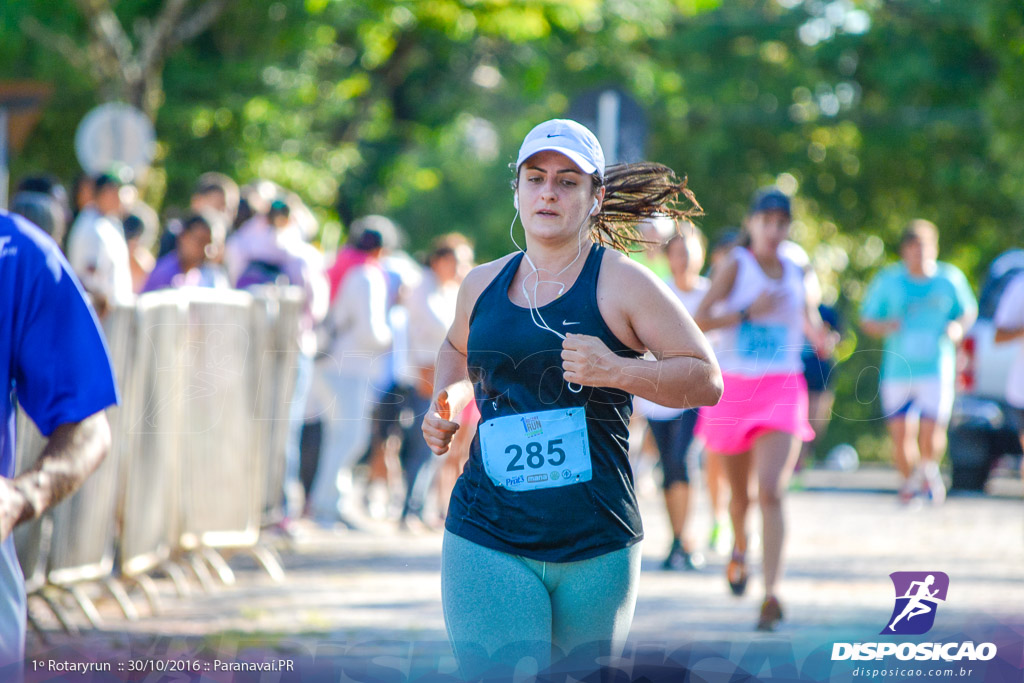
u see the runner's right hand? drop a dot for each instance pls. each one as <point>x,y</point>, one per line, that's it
<point>438,429</point>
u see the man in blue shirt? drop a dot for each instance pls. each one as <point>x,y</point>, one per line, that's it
<point>921,307</point>
<point>54,361</point>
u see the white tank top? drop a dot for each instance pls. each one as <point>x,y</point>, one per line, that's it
<point>767,344</point>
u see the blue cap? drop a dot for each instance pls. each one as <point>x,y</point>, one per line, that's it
<point>369,240</point>
<point>770,199</point>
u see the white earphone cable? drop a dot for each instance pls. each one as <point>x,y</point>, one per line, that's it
<point>534,309</point>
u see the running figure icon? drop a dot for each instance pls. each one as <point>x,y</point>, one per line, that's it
<point>916,604</point>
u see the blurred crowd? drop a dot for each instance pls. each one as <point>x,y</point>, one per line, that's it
<point>375,316</point>
<point>373,319</point>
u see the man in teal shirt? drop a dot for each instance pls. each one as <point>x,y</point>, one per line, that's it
<point>921,307</point>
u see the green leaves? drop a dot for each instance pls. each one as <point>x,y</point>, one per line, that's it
<point>872,113</point>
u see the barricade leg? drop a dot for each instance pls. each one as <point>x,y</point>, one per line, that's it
<point>120,595</point>
<point>267,559</point>
<point>38,630</point>
<point>218,565</point>
<point>58,612</point>
<point>85,604</point>
<point>202,573</point>
<point>148,588</point>
<point>178,578</point>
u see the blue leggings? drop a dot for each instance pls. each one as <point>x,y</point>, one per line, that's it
<point>504,610</point>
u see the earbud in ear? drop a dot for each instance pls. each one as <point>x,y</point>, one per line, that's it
<point>595,207</point>
<point>515,200</point>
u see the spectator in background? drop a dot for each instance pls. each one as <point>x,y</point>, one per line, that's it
<point>265,241</point>
<point>270,250</point>
<point>139,256</point>
<point>656,232</point>
<point>1009,320</point>
<point>357,335</point>
<point>391,387</point>
<point>42,210</point>
<point>218,193</point>
<point>49,185</point>
<point>431,311</point>
<point>246,212</point>
<point>189,264</point>
<point>214,193</point>
<point>82,194</point>
<point>97,249</point>
<point>921,307</point>
<point>53,357</point>
<point>672,428</point>
<point>350,255</point>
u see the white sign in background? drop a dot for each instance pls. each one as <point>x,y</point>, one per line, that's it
<point>115,134</point>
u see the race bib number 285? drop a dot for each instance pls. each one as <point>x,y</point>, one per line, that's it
<point>537,450</point>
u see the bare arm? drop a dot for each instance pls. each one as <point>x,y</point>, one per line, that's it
<point>72,453</point>
<point>1008,319</point>
<point>452,388</point>
<point>675,380</point>
<point>722,280</point>
<point>684,373</point>
<point>880,328</point>
<point>817,333</point>
<point>1006,334</point>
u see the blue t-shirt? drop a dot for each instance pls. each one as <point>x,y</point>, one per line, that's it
<point>924,306</point>
<point>53,360</point>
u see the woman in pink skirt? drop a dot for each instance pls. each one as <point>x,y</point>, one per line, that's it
<point>758,304</point>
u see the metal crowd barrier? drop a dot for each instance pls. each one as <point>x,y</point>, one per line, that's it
<point>152,417</point>
<point>206,378</point>
<point>217,455</point>
<point>275,351</point>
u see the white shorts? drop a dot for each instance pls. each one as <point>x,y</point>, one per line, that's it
<point>932,397</point>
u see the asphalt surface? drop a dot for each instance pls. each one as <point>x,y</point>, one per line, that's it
<point>375,595</point>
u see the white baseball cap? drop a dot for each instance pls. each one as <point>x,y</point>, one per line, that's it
<point>570,138</point>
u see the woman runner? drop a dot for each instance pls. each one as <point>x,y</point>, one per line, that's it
<point>541,552</point>
<point>759,306</point>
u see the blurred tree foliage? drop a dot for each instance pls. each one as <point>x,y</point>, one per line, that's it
<point>870,112</point>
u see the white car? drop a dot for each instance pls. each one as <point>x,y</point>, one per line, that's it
<point>980,430</point>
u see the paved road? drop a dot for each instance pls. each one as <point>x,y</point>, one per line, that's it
<point>358,595</point>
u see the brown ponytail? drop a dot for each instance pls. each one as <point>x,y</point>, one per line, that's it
<point>635,192</point>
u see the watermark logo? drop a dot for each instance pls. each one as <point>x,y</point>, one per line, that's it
<point>918,595</point>
<point>532,426</point>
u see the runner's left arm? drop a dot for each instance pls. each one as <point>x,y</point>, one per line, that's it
<point>684,373</point>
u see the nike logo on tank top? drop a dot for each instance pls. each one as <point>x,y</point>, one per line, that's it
<point>548,475</point>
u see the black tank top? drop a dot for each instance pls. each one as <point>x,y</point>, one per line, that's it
<point>516,368</point>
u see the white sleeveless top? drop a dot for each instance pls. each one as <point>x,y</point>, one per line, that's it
<point>767,344</point>
<point>691,302</point>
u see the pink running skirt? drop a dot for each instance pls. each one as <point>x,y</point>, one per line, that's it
<point>751,406</point>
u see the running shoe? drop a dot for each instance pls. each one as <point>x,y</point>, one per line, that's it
<point>680,560</point>
<point>713,538</point>
<point>934,487</point>
<point>912,487</point>
<point>771,615</point>
<point>736,573</point>
<point>720,540</point>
